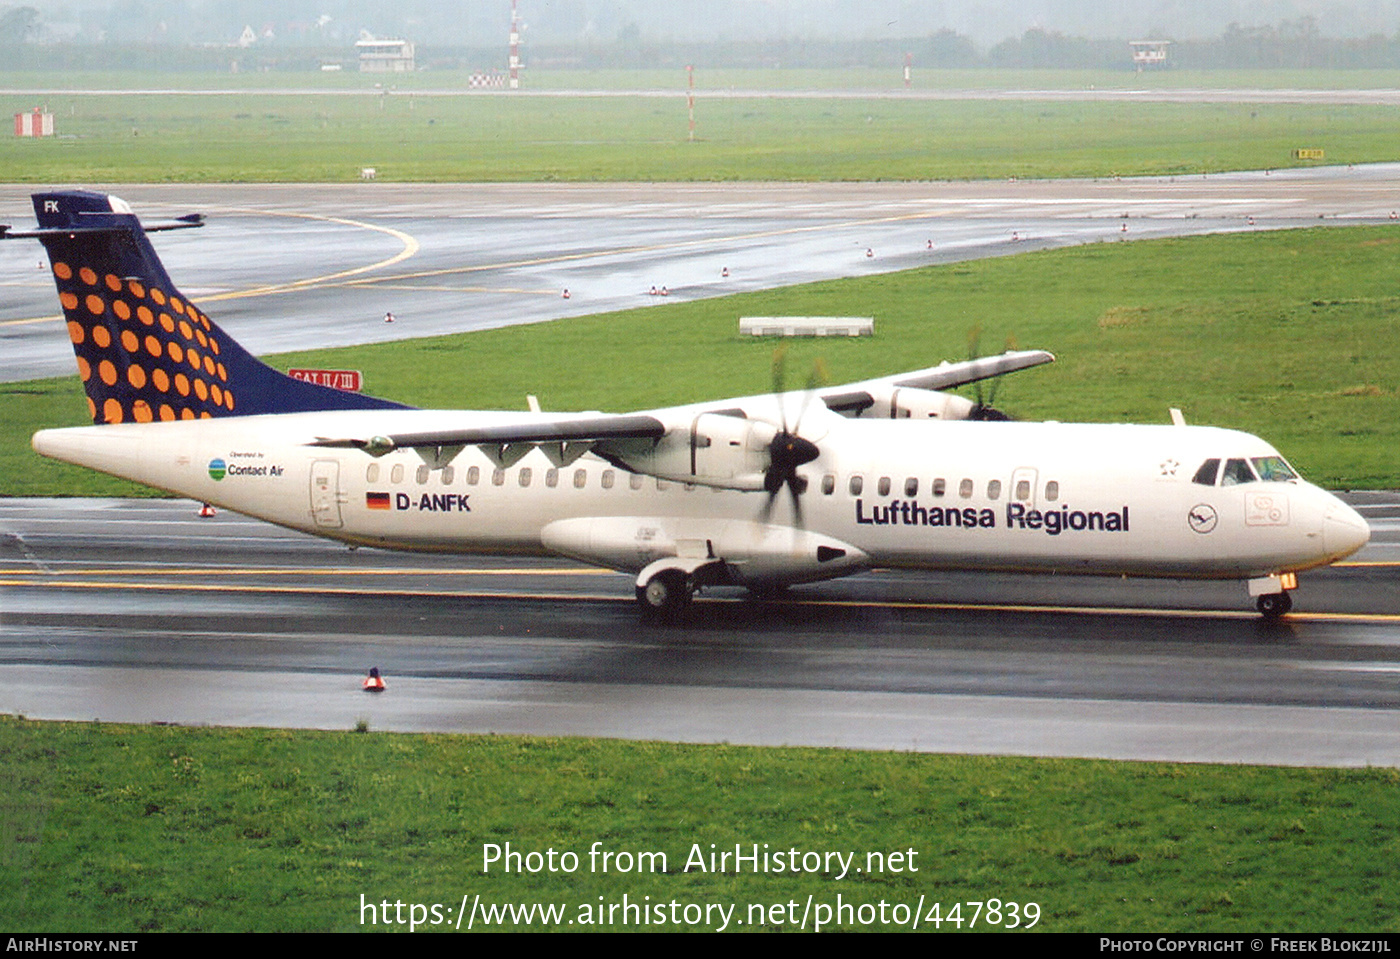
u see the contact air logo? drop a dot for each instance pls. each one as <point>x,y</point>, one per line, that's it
<point>218,469</point>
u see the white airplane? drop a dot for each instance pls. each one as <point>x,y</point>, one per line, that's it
<point>759,492</point>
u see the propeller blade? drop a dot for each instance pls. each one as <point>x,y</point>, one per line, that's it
<point>788,451</point>
<point>984,406</point>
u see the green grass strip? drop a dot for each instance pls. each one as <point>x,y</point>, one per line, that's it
<point>260,137</point>
<point>111,828</point>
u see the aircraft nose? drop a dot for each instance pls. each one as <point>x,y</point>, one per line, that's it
<point>1343,530</point>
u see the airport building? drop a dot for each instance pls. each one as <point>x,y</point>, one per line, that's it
<point>385,56</point>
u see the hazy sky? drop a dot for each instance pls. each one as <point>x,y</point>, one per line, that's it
<point>985,21</point>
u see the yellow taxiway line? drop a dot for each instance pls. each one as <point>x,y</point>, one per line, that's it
<point>55,581</point>
<point>410,248</point>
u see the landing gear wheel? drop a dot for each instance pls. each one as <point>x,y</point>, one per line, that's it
<point>1274,605</point>
<point>666,595</point>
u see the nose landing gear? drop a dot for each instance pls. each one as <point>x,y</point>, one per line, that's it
<point>1273,593</point>
<point>1274,605</point>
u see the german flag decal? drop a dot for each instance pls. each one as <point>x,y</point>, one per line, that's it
<point>377,500</point>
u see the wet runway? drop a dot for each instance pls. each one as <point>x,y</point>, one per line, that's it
<point>286,267</point>
<point>140,611</point>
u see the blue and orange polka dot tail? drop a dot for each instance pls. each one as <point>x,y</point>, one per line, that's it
<point>145,352</point>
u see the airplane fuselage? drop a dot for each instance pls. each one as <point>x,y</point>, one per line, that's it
<point>1035,497</point>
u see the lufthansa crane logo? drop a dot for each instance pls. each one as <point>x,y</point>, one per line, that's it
<point>1202,518</point>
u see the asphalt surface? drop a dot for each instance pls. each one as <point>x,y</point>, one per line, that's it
<point>288,267</point>
<point>140,611</point>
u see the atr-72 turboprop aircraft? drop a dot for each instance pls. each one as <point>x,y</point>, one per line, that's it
<point>760,492</point>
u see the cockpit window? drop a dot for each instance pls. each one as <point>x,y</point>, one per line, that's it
<point>1273,469</point>
<point>1205,476</point>
<point>1237,472</point>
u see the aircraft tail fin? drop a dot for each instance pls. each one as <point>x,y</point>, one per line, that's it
<point>145,352</point>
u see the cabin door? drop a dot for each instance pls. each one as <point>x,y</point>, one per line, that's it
<point>325,493</point>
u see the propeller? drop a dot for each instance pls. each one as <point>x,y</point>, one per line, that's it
<point>984,409</point>
<point>789,451</point>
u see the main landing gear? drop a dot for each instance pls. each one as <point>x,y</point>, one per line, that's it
<point>666,595</point>
<point>1274,605</point>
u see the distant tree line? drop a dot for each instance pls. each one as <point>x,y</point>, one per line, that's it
<point>25,44</point>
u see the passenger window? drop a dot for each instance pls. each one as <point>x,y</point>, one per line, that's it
<point>994,489</point>
<point>447,474</point>
<point>857,484</point>
<point>1023,489</point>
<point>883,487</point>
<point>422,474</point>
<point>1052,490</point>
<point>372,473</point>
<point>911,487</point>
<point>608,476</point>
<point>396,474</point>
<point>828,484</point>
<point>551,478</point>
<point>1237,473</point>
<point>580,478</point>
<point>965,489</point>
<point>473,475</point>
<point>1205,476</point>
<point>940,487</point>
<point>635,480</point>
<point>526,474</point>
<point>498,477</point>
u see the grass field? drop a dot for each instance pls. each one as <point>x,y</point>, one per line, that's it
<point>159,828</point>
<point>256,137</point>
<point>1283,334</point>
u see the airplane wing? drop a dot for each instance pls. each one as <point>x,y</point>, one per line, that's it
<point>617,437</point>
<point>570,429</point>
<point>506,443</point>
<point>859,396</point>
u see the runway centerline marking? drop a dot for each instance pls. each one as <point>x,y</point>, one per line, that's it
<point>33,580</point>
<point>650,248</point>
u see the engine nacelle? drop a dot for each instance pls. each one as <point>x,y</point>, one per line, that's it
<point>899,403</point>
<point>728,452</point>
<point>726,552</point>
